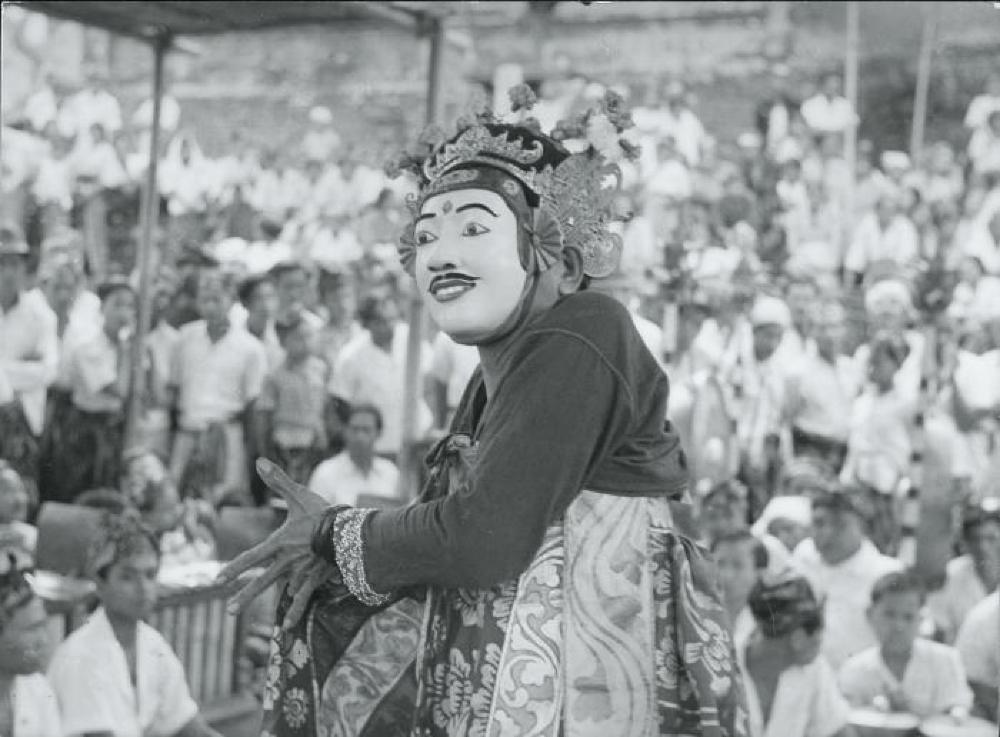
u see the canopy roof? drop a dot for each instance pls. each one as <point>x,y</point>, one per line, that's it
<point>148,19</point>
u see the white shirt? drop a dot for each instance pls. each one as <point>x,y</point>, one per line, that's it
<point>981,244</point>
<point>963,589</point>
<point>93,365</point>
<point>366,373</point>
<point>979,642</point>
<point>339,481</point>
<point>899,243</point>
<point>806,702</point>
<point>828,115</point>
<point>933,682</point>
<point>847,589</point>
<point>87,107</point>
<point>819,396</point>
<point>90,676</point>
<point>453,364</point>
<point>36,711</point>
<point>880,443</point>
<point>979,110</point>
<point>216,380</point>
<point>29,353</point>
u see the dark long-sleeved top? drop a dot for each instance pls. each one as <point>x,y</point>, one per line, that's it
<point>580,404</point>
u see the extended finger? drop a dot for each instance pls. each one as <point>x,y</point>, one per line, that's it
<point>258,585</point>
<point>255,557</point>
<point>302,597</point>
<point>295,495</point>
<point>300,574</point>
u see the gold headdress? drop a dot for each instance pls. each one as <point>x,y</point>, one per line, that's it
<point>570,177</point>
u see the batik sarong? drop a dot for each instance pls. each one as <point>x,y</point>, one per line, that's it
<point>614,629</point>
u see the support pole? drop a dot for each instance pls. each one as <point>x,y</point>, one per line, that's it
<point>408,463</point>
<point>923,80</point>
<point>148,217</point>
<point>851,91</point>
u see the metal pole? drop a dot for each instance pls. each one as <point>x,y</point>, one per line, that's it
<point>408,467</point>
<point>923,81</point>
<point>851,91</point>
<point>148,217</point>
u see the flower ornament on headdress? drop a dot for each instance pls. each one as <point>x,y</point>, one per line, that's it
<point>15,583</point>
<point>121,535</point>
<point>563,195</point>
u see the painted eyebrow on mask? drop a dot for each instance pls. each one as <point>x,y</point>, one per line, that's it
<point>477,206</point>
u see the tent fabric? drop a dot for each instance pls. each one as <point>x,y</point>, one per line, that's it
<point>152,18</point>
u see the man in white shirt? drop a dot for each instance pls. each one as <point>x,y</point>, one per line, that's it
<point>29,356</point>
<point>969,578</point>
<point>356,476</point>
<point>116,676</point>
<point>452,366</point>
<point>821,389</point>
<point>886,234</point>
<point>979,645</point>
<point>218,370</point>
<point>842,565</point>
<point>984,104</point>
<point>829,111</point>
<point>372,367</point>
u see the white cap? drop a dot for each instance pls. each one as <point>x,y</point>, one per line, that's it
<point>320,115</point>
<point>770,311</point>
<point>888,295</point>
<point>797,509</point>
<point>895,160</point>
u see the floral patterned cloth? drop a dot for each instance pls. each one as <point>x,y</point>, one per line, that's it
<point>614,629</point>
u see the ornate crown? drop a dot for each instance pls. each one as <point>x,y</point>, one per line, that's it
<point>572,174</point>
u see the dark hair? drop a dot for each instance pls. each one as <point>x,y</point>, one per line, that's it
<point>368,306</point>
<point>284,267</point>
<point>248,288</point>
<point>898,582</point>
<point>781,607</point>
<point>761,559</point>
<point>288,325</point>
<point>368,409</point>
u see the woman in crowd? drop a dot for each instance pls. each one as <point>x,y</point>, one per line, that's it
<point>544,542</point>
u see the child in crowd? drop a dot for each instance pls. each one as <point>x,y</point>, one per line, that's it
<point>290,426</point>
<point>879,446</point>
<point>790,690</point>
<point>14,531</point>
<point>28,708</point>
<point>740,558</point>
<point>904,672</point>
<point>116,675</point>
<point>724,511</point>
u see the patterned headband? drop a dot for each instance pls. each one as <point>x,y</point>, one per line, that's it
<point>121,535</point>
<point>15,583</point>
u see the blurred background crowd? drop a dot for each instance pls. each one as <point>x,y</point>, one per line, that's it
<point>827,309</point>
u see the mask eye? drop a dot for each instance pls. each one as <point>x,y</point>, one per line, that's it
<point>473,229</point>
<point>423,237</point>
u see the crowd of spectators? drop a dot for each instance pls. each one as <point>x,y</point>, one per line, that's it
<point>831,329</point>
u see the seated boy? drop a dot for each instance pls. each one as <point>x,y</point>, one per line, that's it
<point>28,707</point>
<point>14,531</point>
<point>116,675</point>
<point>904,672</point>
<point>740,558</point>
<point>790,689</point>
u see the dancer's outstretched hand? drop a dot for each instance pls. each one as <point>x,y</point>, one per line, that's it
<point>286,553</point>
